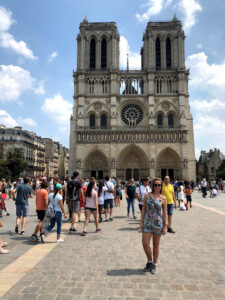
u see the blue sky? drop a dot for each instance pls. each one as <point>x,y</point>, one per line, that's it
<point>38,55</point>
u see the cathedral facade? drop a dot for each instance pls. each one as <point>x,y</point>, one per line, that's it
<point>131,123</point>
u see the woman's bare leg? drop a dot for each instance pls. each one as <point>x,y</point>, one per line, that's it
<point>156,241</point>
<point>87,217</point>
<point>146,238</point>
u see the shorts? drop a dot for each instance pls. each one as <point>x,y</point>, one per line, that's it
<point>74,205</point>
<point>108,203</point>
<point>118,193</point>
<point>188,198</point>
<point>22,210</point>
<point>40,214</point>
<point>169,209</point>
<point>92,209</point>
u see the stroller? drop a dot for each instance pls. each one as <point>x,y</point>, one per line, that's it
<point>2,204</point>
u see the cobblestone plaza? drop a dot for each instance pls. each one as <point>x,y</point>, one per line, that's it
<point>109,265</point>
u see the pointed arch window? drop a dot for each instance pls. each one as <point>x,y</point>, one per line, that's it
<point>103,54</point>
<point>170,120</point>
<point>92,54</point>
<point>159,120</point>
<point>168,53</point>
<point>92,121</point>
<point>157,54</point>
<point>103,121</point>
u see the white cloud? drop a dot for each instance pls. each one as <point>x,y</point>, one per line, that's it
<point>14,80</point>
<point>154,8</point>
<point>7,40</point>
<point>27,122</point>
<point>7,120</point>
<point>52,56</point>
<point>189,9</point>
<point>134,58</point>
<point>40,90</point>
<point>206,77</point>
<point>58,109</point>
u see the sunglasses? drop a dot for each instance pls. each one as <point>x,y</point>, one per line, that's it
<point>155,185</point>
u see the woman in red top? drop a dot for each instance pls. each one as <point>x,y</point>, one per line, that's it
<point>82,200</point>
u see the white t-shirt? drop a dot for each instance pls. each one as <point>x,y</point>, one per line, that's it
<point>141,191</point>
<point>55,201</point>
<point>101,197</point>
<point>181,193</point>
<point>109,185</point>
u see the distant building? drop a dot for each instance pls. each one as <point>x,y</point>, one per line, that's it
<point>44,156</point>
<point>209,163</point>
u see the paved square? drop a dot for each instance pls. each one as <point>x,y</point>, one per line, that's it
<point>109,265</point>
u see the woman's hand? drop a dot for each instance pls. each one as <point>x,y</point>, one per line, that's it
<point>1,225</point>
<point>164,231</point>
<point>65,216</point>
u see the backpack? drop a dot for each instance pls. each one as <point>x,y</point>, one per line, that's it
<point>73,190</point>
<point>50,211</point>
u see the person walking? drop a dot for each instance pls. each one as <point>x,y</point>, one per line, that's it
<point>41,206</point>
<point>153,223</point>
<point>108,198</point>
<point>91,206</point>
<point>74,192</point>
<point>56,200</point>
<point>180,193</point>
<point>130,196</point>
<point>101,190</point>
<point>23,192</point>
<point>168,192</point>
<point>118,193</point>
<point>141,191</point>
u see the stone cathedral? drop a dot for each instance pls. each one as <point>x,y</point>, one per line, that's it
<point>131,123</point>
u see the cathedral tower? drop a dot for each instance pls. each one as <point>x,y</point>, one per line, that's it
<point>131,123</point>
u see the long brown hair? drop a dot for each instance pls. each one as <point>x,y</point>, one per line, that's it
<point>153,184</point>
<point>100,186</point>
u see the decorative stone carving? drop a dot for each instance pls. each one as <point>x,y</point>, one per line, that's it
<point>87,101</point>
<point>113,163</point>
<point>113,115</point>
<point>97,107</point>
<point>80,115</point>
<point>78,163</point>
<point>165,106</point>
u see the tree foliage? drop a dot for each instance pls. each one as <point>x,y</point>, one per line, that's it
<point>221,171</point>
<point>15,163</point>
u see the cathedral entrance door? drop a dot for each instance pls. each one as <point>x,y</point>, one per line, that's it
<point>93,173</point>
<point>136,174</point>
<point>96,165</point>
<point>128,174</point>
<point>100,174</point>
<point>171,174</point>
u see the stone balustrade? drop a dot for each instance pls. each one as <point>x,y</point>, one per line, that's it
<point>136,136</point>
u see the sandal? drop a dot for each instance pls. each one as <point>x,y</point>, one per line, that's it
<point>134,217</point>
<point>98,229</point>
<point>3,244</point>
<point>84,233</point>
<point>4,251</point>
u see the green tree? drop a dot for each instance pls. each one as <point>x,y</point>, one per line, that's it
<point>4,170</point>
<point>15,162</point>
<point>221,171</point>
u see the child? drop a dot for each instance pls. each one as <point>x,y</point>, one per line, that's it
<point>188,193</point>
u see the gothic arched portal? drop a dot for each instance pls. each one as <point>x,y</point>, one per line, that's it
<point>96,165</point>
<point>132,163</point>
<point>168,162</point>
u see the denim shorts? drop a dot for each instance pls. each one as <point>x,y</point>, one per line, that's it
<point>169,209</point>
<point>108,203</point>
<point>92,209</point>
<point>22,210</point>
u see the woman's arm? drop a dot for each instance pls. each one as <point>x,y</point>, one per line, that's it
<point>62,208</point>
<point>143,211</point>
<point>96,199</point>
<point>164,214</point>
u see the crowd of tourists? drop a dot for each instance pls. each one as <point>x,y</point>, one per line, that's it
<point>58,198</point>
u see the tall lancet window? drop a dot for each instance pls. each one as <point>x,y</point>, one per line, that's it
<point>92,54</point>
<point>168,53</point>
<point>157,54</point>
<point>103,54</point>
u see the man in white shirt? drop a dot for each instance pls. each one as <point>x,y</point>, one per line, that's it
<point>141,191</point>
<point>204,185</point>
<point>108,198</point>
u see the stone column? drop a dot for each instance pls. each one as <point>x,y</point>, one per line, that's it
<point>98,55</point>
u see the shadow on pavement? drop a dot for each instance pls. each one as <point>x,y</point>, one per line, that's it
<point>128,229</point>
<point>119,217</point>
<point>125,272</point>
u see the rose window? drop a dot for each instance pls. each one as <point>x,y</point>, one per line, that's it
<point>132,114</point>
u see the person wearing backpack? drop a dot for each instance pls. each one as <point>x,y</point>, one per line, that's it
<point>74,193</point>
<point>56,200</point>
